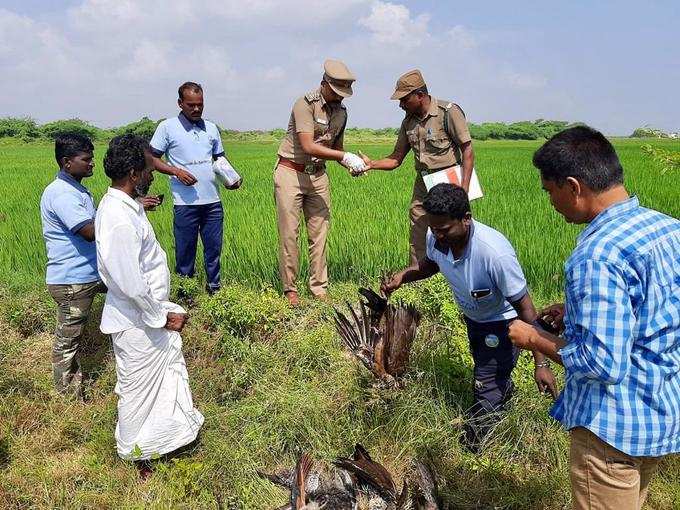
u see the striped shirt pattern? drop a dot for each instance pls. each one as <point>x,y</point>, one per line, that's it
<point>622,327</point>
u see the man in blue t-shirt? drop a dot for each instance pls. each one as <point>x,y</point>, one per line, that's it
<point>191,144</point>
<point>489,286</point>
<point>67,211</point>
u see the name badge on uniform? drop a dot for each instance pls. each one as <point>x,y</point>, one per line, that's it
<point>429,136</point>
<point>322,121</point>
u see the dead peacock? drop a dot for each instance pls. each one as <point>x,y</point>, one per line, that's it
<point>380,334</point>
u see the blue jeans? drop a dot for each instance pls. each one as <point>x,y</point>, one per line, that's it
<point>188,223</point>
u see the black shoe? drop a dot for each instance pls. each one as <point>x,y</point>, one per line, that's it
<point>212,290</point>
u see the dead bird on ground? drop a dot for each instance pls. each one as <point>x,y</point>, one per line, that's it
<point>424,491</point>
<point>311,489</point>
<point>380,334</point>
<point>373,479</point>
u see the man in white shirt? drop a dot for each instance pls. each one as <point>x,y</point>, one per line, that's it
<point>156,414</point>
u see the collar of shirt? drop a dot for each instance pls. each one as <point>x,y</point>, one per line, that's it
<point>67,177</point>
<point>441,247</point>
<point>125,198</point>
<point>611,212</point>
<point>188,124</point>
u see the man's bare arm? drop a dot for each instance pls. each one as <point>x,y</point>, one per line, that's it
<point>388,162</point>
<point>468,163</point>
<point>87,232</point>
<point>317,150</point>
<point>184,176</point>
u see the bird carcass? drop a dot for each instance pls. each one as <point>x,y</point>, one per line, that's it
<point>380,334</point>
<point>374,480</point>
<point>311,489</point>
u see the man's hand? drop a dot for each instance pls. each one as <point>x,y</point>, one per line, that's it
<point>387,287</point>
<point>554,315</point>
<point>353,163</point>
<point>367,161</point>
<point>176,321</point>
<point>545,381</point>
<point>522,334</point>
<point>184,176</point>
<point>150,202</point>
<point>236,185</point>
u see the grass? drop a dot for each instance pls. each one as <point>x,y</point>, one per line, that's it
<point>271,381</point>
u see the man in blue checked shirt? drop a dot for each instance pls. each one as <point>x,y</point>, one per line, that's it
<point>191,144</point>
<point>620,321</point>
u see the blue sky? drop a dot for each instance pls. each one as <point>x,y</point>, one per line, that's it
<point>614,65</point>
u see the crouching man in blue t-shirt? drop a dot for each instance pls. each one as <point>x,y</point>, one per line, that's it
<point>489,286</point>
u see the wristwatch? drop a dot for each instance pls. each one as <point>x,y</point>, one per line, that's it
<point>543,364</point>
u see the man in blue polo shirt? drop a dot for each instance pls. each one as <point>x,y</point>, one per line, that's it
<point>67,211</point>
<point>489,286</point>
<point>620,321</point>
<point>191,144</point>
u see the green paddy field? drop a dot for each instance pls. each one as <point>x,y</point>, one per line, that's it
<point>271,381</point>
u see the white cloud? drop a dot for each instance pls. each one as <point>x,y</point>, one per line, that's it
<point>113,61</point>
<point>462,38</point>
<point>392,24</point>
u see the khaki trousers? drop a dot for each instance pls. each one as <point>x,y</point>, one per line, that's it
<point>294,192</point>
<point>603,477</point>
<point>418,220</point>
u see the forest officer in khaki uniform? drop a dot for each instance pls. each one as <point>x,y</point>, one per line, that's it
<point>315,134</point>
<point>437,133</point>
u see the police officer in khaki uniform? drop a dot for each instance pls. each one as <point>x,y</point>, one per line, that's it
<point>437,133</point>
<point>315,134</point>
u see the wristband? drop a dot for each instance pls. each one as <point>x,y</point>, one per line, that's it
<point>542,364</point>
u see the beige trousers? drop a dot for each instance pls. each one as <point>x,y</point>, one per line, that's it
<point>295,192</point>
<point>418,220</point>
<point>603,477</point>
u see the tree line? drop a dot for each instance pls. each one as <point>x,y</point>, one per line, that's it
<point>27,129</point>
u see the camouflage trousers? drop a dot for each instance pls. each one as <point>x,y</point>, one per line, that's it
<point>74,302</point>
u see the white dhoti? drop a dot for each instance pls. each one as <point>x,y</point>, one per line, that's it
<point>156,414</point>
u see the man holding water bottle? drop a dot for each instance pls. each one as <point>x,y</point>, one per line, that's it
<point>191,145</point>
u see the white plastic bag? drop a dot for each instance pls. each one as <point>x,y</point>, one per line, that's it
<point>225,172</point>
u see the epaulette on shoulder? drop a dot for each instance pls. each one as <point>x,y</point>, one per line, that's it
<point>444,105</point>
<point>447,105</point>
<point>313,95</point>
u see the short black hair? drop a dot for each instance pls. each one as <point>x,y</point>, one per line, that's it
<point>189,85</point>
<point>583,153</point>
<point>447,200</point>
<point>125,153</point>
<point>68,145</point>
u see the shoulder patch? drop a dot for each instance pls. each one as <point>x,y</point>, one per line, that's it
<point>444,105</point>
<point>447,105</point>
<point>313,95</point>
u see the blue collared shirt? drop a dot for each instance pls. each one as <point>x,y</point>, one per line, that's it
<point>66,206</point>
<point>190,145</point>
<point>622,327</point>
<point>486,278</point>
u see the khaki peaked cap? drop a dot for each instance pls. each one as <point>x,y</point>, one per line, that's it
<point>339,77</point>
<point>407,83</point>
